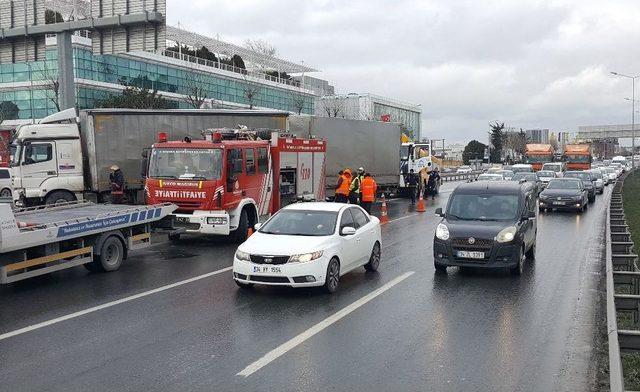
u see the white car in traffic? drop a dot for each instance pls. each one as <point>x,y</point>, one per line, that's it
<point>309,244</point>
<point>6,185</point>
<point>464,170</point>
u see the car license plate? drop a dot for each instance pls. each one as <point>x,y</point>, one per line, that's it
<point>182,219</point>
<point>266,269</point>
<point>558,203</point>
<point>470,255</point>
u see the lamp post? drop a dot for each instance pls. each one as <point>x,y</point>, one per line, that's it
<point>633,114</point>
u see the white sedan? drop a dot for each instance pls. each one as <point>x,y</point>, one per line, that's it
<point>309,244</point>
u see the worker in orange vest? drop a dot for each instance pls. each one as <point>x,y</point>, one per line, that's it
<point>342,187</point>
<point>368,189</point>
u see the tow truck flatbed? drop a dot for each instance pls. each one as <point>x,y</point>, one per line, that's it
<point>39,240</point>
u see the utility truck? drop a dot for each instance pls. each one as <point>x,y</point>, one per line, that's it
<point>228,181</point>
<point>578,156</point>
<point>537,155</point>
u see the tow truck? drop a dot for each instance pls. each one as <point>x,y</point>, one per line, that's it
<point>40,240</point>
<point>233,178</point>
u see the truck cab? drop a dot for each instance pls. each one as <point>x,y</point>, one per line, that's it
<point>416,156</point>
<point>47,163</point>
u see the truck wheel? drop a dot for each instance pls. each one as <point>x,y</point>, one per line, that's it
<point>240,234</point>
<point>6,193</point>
<point>59,197</point>
<point>111,255</point>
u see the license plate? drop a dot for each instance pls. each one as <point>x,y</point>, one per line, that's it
<point>266,269</point>
<point>182,220</point>
<point>470,255</point>
<point>558,203</point>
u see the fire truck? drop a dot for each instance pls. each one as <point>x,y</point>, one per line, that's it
<point>230,180</point>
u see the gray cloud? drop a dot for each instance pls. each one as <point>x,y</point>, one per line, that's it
<point>528,63</point>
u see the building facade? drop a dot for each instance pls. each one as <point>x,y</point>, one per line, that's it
<point>372,108</point>
<point>538,136</point>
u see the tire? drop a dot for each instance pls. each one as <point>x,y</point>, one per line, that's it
<point>531,253</point>
<point>592,199</point>
<point>174,237</point>
<point>374,259</point>
<point>332,278</point>
<point>6,193</point>
<point>519,268</point>
<point>239,235</point>
<point>111,255</point>
<point>243,285</point>
<point>59,197</point>
<point>440,269</point>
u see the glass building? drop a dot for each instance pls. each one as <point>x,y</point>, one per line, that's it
<point>32,85</point>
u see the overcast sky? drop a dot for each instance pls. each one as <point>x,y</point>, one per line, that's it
<point>530,64</point>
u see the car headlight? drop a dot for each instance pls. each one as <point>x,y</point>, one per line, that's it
<point>442,232</point>
<point>244,256</point>
<point>506,235</point>
<point>304,257</point>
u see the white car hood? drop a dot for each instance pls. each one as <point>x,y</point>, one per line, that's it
<point>284,245</point>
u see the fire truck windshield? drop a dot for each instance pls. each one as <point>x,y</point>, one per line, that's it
<point>186,163</point>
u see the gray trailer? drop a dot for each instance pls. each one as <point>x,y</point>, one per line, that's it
<point>60,159</point>
<point>354,143</point>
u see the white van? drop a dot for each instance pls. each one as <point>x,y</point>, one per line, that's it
<point>557,167</point>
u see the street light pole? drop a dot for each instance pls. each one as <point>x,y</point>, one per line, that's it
<point>633,114</point>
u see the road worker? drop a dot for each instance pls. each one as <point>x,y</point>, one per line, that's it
<point>342,186</point>
<point>368,188</point>
<point>116,178</point>
<point>354,189</point>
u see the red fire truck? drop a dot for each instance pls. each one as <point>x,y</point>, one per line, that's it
<point>229,181</point>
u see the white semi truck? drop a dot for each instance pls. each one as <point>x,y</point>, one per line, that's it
<point>66,156</point>
<point>415,156</point>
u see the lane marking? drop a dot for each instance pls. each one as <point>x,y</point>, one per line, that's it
<point>304,336</point>
<point>109,304</point>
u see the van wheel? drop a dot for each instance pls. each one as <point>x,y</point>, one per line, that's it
<point>531,254</point>
<point>519,268</point>
<point>240,234</point>
<point>59,197</point>
<point>440,269</point>
<point>111,255</point>
<point>374,259</point>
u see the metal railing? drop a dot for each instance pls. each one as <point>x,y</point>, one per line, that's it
<point>621,271</point>
<point>231,68</point>
<point>460,176</point>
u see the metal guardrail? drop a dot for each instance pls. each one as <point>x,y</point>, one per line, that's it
<point>621,270</point>
<point>460,176</point>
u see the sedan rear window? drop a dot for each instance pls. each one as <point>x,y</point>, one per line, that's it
<point>301,222</point>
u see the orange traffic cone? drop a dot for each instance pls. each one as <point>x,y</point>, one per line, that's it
<point>383,211</point>
<point>420,207</point>
<point>249,232</point>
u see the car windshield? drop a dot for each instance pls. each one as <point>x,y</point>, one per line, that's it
<point>483,207</point>
<point>186,163</point>
<point>580,175</point>
<point>524,176</point>
<point>301,222</point>
<point>546,173</point>
<point>563,184</point>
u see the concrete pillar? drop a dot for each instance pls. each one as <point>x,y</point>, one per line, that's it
<point>65,71</point>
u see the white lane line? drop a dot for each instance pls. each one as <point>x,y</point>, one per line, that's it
<point>304,336</point>
<point>109,304</point>
<point>403,217</point>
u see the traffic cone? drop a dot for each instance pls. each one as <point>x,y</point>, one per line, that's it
<point>420,207</point>
<point>383,211</point>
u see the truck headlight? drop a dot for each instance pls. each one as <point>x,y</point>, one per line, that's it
<point>442,232</point>
<point>244,256</point>
<point>302,258</point>
<point>506,235</point>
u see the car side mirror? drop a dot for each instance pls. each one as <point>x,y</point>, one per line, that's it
<point>439,212</point>
<point>348,230</point>
<point>257,226</point>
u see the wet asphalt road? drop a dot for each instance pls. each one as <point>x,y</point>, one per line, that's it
<point>471,330</point>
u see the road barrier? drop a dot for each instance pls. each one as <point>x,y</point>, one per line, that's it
<point>622,271</point>
<point>460,176</point>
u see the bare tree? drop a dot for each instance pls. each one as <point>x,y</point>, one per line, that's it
<point>196,94</point>
<point>299,102</point>
<point>261,46</point>
<point>333,106</point>
<point>52,83</point>
<point>251,92</point>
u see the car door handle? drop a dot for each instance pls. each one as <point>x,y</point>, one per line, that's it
<point>51,173</point>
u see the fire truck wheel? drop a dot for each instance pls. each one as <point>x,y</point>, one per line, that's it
<point>111,255</point>
<point>240,234</point>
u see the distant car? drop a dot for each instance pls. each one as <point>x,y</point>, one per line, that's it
<point>617,167</point>
<point>464,170</point>
<point>494,170</point>
<point>530,177</point>
<point>522,168</point>
<point>598,180</point>
<point>490,177</point>
<point>6,186</point>
<point>564,193</point>
<point>507,174</point>
<point>557,167</point>
<point>545,176</point>
<point>487,225</point>
<point>609,173</point>
<point>586,179</point>
<point>309,244</point>
<point>447,170</point>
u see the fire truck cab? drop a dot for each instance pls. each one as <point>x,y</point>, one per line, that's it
<point>228,182</point>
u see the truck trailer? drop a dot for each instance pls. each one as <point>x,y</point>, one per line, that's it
<point>538,154</point>
<point>66,156</point>
<point>578,156</point>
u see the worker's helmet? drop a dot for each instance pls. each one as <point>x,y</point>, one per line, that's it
<point>114,167</point>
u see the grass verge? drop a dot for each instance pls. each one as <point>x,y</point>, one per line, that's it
<point>630,193</point>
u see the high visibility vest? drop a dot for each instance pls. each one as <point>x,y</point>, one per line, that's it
<point>355,184</point>
<point>344,186</point>
<point>368,187</point>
